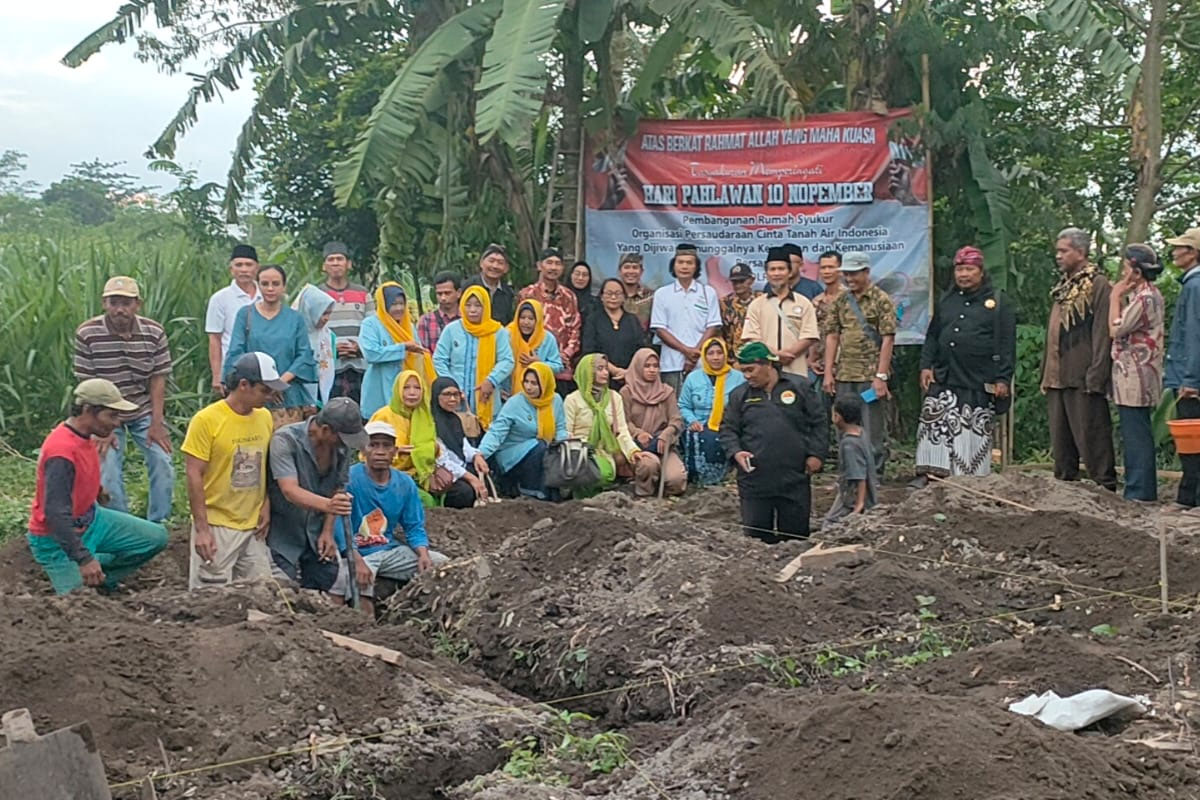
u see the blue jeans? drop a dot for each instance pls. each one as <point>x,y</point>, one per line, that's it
<point>119,541</point>
<point>158,464</point>
<point>1137,440</point>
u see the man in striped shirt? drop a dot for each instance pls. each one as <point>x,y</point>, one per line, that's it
<point>351,305</point>
<point>131,351</point>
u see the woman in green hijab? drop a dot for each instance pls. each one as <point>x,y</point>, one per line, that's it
<point>596,414</point>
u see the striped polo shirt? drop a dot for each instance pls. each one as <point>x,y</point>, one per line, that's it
<point>128,361</point>
<point>350,307</point>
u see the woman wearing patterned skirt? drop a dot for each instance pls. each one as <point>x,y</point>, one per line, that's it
<point>967,366</point>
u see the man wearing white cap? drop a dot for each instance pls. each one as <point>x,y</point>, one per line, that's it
<point>131,351</point>
<point>75,539</point>
<point>386,504</point>
<point>1183,353</point>
<point>226,449</point>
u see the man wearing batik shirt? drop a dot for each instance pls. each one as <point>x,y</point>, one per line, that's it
<point>734,305</point>
<point>447,291</point>
<point>562,312</point>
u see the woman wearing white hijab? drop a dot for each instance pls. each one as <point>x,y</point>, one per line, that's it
<point>316,306</point>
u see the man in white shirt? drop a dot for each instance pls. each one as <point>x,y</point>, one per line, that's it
<point>685,313</point>
<point>224,305</point>
<point>782,319</point>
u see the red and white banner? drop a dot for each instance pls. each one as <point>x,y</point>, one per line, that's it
<point>738,187</point>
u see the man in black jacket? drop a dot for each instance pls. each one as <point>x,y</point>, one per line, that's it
<point>774,428</point>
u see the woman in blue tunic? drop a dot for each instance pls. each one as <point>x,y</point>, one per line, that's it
<point>702,404</point>
<point>269,326</point>
<point>517,440</point>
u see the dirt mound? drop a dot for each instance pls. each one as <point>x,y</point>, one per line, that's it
<point>861,747</point>
<point>188,671</point>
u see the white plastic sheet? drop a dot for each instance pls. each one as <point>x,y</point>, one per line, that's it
<point>1078,710</point>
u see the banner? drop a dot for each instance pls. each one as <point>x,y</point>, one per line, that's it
<point>738,187</point>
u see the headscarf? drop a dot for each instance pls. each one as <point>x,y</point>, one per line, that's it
<point>447,424</point>
<point>484,330</point>
<point>401,332</point>
<point>544,403</point>
<point>969,255</point>
<point>718,409</point>
<point>520,345</point>
<point>601,435</point>
<point>584,295</point>
<point>640,389</point>
<point>422,434</point>
<point>312,303</point>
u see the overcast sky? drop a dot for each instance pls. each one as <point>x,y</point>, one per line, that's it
<point>110,108</point>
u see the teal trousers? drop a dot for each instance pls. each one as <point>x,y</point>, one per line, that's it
<point>120,542</point>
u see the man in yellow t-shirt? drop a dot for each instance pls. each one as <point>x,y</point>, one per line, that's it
<point>226,449</point>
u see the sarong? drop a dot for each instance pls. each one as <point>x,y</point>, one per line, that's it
<point>954,436</point>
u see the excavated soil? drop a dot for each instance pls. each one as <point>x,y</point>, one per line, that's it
<point>882,674</point>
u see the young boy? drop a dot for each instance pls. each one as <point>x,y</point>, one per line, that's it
<point>385,501</point>
<point>856,477</point>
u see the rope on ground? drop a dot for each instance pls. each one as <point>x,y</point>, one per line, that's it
<point>646,683</point>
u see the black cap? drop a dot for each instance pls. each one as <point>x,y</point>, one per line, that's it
<point>343,415</point>
<point>741,272</point>
<point>793,249</point>
<point>256,368</point>
<point>778,254</point>
<point>244,251</point>
<point>550,252</point>
<point>335,249</point>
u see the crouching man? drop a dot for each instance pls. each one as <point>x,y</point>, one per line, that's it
<point>385,503</point>
<point>309,461</point>
<point>75,539</point>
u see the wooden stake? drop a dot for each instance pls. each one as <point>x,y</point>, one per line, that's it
<point>1162,561</point>
<point>982,493</point>
<point>814,554</point>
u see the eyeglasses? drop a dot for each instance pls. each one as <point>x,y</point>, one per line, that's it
<point>451,393</point>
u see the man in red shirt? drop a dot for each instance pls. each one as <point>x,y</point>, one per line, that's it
<point>562,313</point>
<point>75,539</point>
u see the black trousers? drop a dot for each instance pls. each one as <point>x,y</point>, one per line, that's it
<point>786,514</point>
<point>1081,425</point>
<point>459,495</point>
<point>1189,487</point>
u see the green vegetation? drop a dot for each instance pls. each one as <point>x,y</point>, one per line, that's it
<point>542,759</point>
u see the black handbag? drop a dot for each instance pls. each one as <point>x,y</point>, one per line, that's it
<point>570,464</point>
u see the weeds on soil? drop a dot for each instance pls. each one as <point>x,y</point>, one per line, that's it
<point>532,758</point>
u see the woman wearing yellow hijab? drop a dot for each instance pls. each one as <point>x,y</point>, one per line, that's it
<point>530,340</point>
<point>418,452</point>
<point>701,404</point>
<point>389,346</point>
<point>519,434</point>
<point>476,352</point>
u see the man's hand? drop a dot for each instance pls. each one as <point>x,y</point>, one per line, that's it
<point>157,434</point>
<point>218,388</point>
<point>692,354</point>
<point>812,465</point>
<point>486,390</point>
<point>326,547</point>
<point>696,427</point>
<point>926,379</point>
<point>424,562</point>
<point>828,384</point>
<point>880,387</point>
<point>264,520</point>
<point>1186,392</point>
<point>742,459</point>
<point>92,573</point>
<point>643,438</point>
<point>205,543</point>
<point>339,505</point>
<point>347,348</point>
<point>1001,391</point>
<point>481,465</point>
<point>362,573</point>
<point>104,443</point>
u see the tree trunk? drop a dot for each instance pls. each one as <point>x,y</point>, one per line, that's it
<point>572,123</point>
<point>1147,127</point>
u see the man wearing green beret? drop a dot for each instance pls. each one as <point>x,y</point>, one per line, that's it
<point>775,431</point>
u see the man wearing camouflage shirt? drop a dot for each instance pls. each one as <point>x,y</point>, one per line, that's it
<point>860,332</point>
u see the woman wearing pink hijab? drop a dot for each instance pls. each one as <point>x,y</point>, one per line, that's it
<point>656,425</point>
<point>967,365</point>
